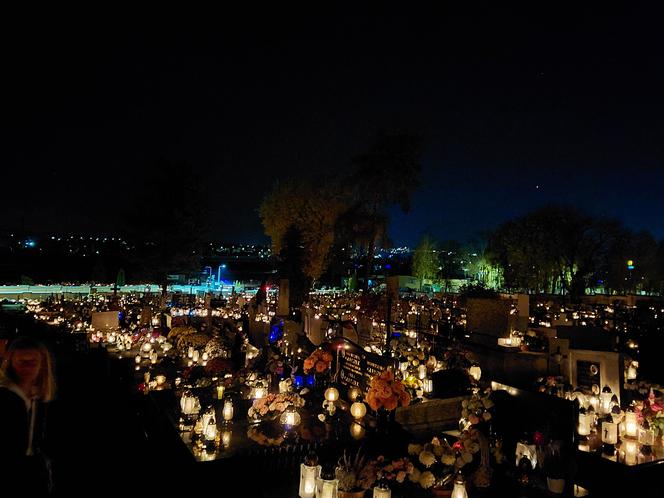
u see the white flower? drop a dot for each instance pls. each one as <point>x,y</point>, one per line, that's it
<point>448,459</point>
<point>427,458</point>
<point>414,449</point>
<point>427,479</point>
<point>486,416</point>
<point>467,457</point>
<point>464,403</point>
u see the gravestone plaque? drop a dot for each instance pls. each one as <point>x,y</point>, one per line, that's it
<point>587,374</point>
<point>357,366</point>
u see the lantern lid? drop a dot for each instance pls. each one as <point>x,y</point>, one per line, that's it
<point>311,459</point>
<point>459,478</point>
<point>606,389</point>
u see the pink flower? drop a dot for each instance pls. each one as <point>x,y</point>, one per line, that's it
<point>401,475</point>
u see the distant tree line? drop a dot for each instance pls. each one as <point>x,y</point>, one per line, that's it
<point>555,249</point>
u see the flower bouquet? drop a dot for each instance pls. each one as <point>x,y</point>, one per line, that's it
<point>318,362</point>
<point>273,405</point>
<point>386,392</point>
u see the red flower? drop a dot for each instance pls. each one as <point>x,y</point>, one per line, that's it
<point>538,438</point>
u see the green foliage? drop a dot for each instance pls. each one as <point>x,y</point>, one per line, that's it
<point>425,259</point>
<point>311,210</point>
<point>555,248</point>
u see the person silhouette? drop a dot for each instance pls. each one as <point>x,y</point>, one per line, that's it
<point>27,384</point>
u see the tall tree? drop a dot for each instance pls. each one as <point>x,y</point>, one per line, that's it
<point>386,175</point>
<point>310,211</point>
<point>425,260</point>
<point>555,247</point>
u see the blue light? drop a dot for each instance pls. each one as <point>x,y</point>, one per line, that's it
<point>388,266</point>
<point>276,332</point>
<point>30,243</point>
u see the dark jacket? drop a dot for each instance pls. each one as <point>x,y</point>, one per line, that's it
<point>22,467</point>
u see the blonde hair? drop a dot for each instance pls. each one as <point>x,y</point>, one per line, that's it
<point>45,383</point>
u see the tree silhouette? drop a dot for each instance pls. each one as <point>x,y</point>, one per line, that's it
<point>384,176</point>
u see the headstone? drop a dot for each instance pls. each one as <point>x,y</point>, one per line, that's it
<point>292,330</point>
<point>358,366</point>
<point>349,331</point>
<point>313,328</point>
<point>558,346</point>
<point>523,310</point>
<point>283,308</point>
<point>489,316</point>
<point>105,320</point>
<point>146,316</point>
<point>364,328</point>
<point>595,367</point>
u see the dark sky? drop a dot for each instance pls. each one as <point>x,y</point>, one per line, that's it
<point>518,109</point>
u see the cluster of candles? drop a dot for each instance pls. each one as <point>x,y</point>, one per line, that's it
<point>316,482</point>
<point>614,425</point>
<point>195,356</point>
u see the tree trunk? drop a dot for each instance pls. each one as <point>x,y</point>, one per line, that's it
<point>371,250</point>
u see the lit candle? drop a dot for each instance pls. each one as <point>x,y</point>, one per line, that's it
<point>609,432</point>
<point>427,385</point>
<point>631,425</point>
<point>195,356</point>
<point>308,476</point>
<point>585,421</point>
<point>228,410</point>
<point>190,352</point>
<point>210,429</point>
<point>220,392</point>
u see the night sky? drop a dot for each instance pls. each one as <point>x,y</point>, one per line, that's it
<point>518,109</point>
